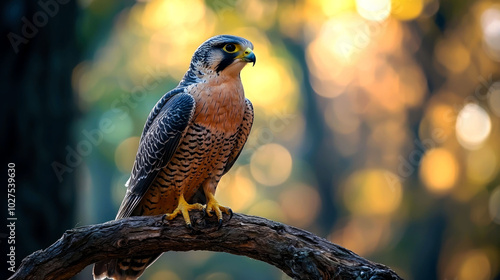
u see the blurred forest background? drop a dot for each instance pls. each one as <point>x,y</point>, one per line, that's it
<point>377,123</point>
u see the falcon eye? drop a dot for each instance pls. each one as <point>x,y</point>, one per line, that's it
<point>230,48</point>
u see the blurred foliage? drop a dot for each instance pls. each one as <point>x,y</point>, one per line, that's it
<point>377,124</point>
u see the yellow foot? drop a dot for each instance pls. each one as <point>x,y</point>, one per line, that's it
<point>214,206</point>
<point>183,208</point>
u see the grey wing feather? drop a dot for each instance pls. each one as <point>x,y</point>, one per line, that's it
<point>242,136</point>
<point>162,133</point>
<point>159,106</point>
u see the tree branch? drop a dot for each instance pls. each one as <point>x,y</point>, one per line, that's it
<point>298,253</point>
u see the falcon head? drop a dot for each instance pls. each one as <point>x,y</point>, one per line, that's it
<point>220,55</point>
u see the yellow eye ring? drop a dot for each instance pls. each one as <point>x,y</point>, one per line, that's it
<point>230,48</point>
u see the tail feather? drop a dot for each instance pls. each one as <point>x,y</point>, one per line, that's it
<point>123,269</point>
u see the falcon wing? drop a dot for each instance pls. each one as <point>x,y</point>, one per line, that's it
<point>162,133</point>
<point>241,136</point>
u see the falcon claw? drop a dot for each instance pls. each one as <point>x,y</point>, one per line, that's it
<point>183,209</point>
<point>213,207</point>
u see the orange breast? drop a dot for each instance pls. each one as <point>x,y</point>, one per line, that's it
<point>204,149</point>
<point>220,105</point>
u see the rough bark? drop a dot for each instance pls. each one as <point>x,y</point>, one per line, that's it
<point>300,254</point>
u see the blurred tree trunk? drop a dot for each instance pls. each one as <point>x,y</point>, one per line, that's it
<point>317,143</point>
<point>38,55</point>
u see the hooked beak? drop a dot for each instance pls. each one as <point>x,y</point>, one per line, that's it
<point>248,56</point>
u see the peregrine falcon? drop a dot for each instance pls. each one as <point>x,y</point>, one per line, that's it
<point>192,137</point>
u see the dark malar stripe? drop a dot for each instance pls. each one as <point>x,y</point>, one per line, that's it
<point>224,63</point>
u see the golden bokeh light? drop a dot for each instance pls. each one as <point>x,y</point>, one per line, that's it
<point>494,205</point>
<point>125,154</point>
<point>490,22</point>
<point>339,44</point>
<point>481,165</point>
<point>375,10</point>
<point>475,265</point>
<point>160,14</point>
<point>346,52</point>
<point>385,91</point>
<point>271,164</point>
<point>442,116</point>
<point>461,261</point>
<point>407,9</point>
<point>236,189</point>
<point>163,20</point>
<point>301,204</point>
<point>439,170</point>
<point>453,55</point>
<point>274,88</point>
<point>340,40</point>
<point>473,126</point>
<point>363,235</point>
<point>332,8</point>
<point>268,209</point>
<point>438,123</point>
<point>372,192</point>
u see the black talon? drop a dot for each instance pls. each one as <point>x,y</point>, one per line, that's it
<point>163,218</point>
<point>189,226</point>
<point>230,214</point>
<point>220,224</point>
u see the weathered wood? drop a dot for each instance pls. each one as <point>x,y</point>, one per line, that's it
<point>300,254</point>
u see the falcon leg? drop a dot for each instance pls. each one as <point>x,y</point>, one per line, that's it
<point>183,208</point>
<point>214,206</point>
